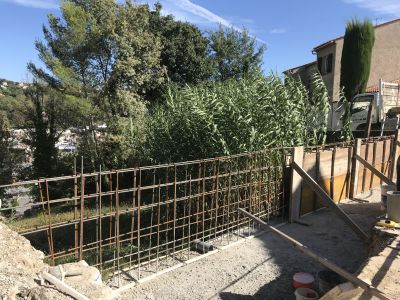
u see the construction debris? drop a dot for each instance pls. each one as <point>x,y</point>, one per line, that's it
<point>202,247</point>
<point>24,275</point>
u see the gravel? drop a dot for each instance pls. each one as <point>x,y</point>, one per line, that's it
<point>262,267</point>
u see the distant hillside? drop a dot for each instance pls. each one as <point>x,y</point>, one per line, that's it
<point>11,88</point>
<point>12,101</point>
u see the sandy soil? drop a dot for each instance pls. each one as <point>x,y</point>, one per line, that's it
<point>262,267</point>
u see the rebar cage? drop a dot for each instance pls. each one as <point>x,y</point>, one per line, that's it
<point>139,221</point>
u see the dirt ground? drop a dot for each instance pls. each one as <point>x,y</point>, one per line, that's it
<point>262,267</point>
<point>20,265</point>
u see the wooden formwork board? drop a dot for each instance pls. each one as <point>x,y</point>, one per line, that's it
<point>321,171</point>
<point>381,161</point>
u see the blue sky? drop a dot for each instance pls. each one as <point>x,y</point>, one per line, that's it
<point>289,28</point>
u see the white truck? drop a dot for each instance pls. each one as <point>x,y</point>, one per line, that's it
<point>385,109</point>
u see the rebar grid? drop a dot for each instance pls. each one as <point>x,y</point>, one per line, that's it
<point>126,219</point>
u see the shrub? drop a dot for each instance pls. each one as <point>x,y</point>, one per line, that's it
<point>234,116</point>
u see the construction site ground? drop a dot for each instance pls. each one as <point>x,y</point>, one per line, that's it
<point>256,268</point>
<point>262,267</point>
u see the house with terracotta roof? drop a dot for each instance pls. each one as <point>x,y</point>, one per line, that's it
<point>385,62</point>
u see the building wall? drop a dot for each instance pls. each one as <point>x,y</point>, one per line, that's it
<point>329,78</point>
<point>386,54</point>
<point>385,62</point>
<point>336,70</point>
<point>303,73</point>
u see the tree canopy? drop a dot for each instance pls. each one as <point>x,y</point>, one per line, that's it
<point>184,51</point>
<point>99,48</point>
<point>234,53</point>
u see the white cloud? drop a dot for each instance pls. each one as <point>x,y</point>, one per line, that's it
<point>44,4</point>
<point>384,7</point>
<point>185,10</point>
<point>278,31</point>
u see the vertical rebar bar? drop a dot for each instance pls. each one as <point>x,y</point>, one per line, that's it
<point>216,198</point>
<point>100,222</point>
<point>50,225</point>
<point>167,208</point>
<point>151,217</point>
<point>76,234</point>
<point>138,225</point>
<point>44,214</point>
<point>82,212</point>
<point>133,218</point>
<point>174,214</point>
<point>203,200</point>
<point>229,196</point>
<point>117,226</point>
<point>158,224</point>
<point>97,219</point>
<point>110,189</point>
<point>190,212</point>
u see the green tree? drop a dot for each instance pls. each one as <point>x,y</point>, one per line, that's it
<point>97,48</point>
<point>97,52</point>
<point>235,53</point>
<point>184,48</point>
<point>356,57</point>
<point>42,125</point>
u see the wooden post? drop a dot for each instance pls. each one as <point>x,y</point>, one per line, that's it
<point>355,166</point>
<point>295,195</point>
<point>369,119</point>
<point>394,155</point>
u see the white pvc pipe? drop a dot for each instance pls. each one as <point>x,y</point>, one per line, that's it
<point>63,287</point>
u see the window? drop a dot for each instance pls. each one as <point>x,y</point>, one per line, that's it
<point>320,64</point>
<point>325,64</point>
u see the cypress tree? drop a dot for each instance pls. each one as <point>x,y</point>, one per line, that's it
<point>356,57</point>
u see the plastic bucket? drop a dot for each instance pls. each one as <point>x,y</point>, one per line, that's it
<point>393,206</point>
<point>384,190</point>
<point>327,280</point>
<point>303,280</point>
<point>305,294</point>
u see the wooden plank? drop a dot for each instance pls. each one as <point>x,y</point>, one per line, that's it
<point>295,195</point>
<point>373,170</point>
<point>324,261</point>
<point>369,119</point>
<point>355,168</point>
<point>394,154</point>
<point>326,200</point>
<point>332,178</point>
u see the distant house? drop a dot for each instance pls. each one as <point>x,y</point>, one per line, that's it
<point>385,62</point>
